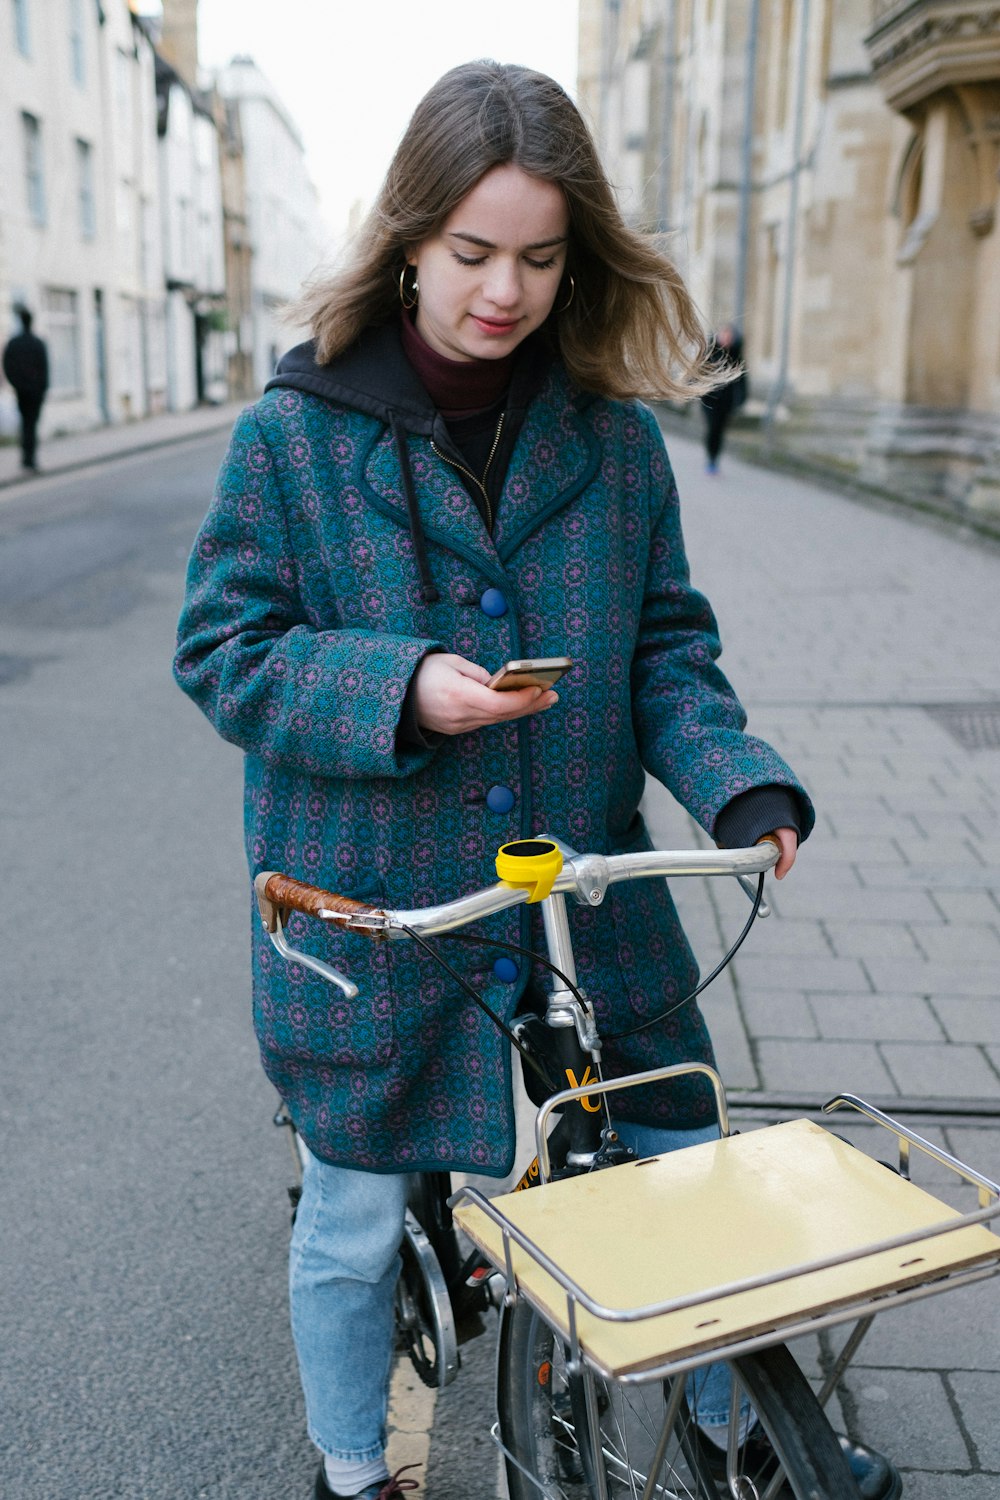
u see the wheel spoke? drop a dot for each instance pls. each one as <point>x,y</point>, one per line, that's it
<point>650,1445</point>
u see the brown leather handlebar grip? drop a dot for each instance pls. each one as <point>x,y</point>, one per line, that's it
<point>281,893</point>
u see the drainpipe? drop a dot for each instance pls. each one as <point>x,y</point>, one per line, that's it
<point>667,123</point>
<point>609,46</point>
<point>746,176</point>
<point>781,380</point>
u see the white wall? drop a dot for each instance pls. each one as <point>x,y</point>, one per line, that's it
<point>87,83</point>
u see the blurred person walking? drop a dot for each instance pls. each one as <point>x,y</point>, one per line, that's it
<point>718,404</point>
<point>26,366</point>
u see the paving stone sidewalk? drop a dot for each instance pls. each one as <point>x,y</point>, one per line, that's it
<point>865,646</point>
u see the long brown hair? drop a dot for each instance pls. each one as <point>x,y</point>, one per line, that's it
<point>631,328</point>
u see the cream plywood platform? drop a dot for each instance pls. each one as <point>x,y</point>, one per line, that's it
<point>701,1218</point>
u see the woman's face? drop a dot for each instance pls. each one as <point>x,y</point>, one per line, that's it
<point>490,275</point>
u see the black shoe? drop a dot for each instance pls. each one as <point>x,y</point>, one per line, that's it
<point>382,1489</point>
<point>876,1478</point>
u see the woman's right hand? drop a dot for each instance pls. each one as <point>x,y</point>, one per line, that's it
<point>451,696</point>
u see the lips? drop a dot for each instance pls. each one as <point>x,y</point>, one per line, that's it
<point>493,326</point>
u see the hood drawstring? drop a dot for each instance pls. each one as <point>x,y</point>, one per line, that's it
<point>428,588</point>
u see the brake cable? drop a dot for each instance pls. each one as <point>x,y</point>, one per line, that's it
<point>617,1036</point>
<point>476,939</point>
<point>498,1021</point>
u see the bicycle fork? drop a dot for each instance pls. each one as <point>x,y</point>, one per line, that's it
<point>567,1042</point>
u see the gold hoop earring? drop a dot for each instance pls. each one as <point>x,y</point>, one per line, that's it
<point>572,294</point>
<point>414,296</point>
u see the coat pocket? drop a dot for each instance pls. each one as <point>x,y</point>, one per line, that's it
<point>303,1021</point>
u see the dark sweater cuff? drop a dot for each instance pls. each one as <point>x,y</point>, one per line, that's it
<point>761,810</point>
<point>409,735</point>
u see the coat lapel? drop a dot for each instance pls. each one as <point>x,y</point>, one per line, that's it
<point>448,513</point>
<point>556,456</point>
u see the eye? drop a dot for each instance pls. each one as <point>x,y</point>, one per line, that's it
<point>543,265</point>
<point>468,260</point>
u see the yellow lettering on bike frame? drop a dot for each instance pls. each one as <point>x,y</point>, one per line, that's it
<point>528,1177</point>
<point>586,1103</point>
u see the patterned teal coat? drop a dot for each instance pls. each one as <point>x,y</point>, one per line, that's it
<point>303,625</point>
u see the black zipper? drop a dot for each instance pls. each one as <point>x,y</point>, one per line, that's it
<point>479,483</point>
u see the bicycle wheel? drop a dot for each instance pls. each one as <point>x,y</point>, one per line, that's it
<point>545,1429</point>
<point>425,1325</point>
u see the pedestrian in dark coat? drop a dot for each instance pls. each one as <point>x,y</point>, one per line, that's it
<point>455,471</point>
<point>719,404</point>
<point>26,366</point>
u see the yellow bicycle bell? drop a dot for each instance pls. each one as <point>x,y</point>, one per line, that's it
<point>530,865</point>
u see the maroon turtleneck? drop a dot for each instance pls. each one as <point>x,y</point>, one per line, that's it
<point>458,387</point>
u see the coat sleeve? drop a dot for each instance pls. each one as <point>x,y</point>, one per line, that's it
<point>689,723</point>
<point>323,702</point>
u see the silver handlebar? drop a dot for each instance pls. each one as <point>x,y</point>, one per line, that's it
<point>584,876</point>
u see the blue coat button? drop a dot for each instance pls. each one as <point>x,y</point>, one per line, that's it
<point>506,970</point>
<point>493,603</point>
<point>500,799</point>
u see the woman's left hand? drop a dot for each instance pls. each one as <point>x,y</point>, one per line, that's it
<point>787,841</point>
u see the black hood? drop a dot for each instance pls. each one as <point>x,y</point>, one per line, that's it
<point>372,376</point>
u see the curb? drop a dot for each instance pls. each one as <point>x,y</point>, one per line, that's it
<point>56,469</point>
<point>743,445</point>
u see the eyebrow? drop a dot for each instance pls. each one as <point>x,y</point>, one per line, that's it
<point>475,239</point>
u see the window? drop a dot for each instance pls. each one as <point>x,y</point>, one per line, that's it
<point>123,206</point>
<point>33,172</point>
<point>123,89</point>
<point>22,31</point>
<point>77,54</point>
<point>785,60</point>
<point>62,327</point>
<point>85,189</point>
<point>147,241</point>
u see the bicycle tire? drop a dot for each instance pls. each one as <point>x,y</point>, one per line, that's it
<point>543,1430</point>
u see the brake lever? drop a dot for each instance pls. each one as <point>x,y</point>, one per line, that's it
<point>325,971</point>
<point>750,891</point>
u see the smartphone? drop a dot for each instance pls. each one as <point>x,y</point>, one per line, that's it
<point>536,671</point>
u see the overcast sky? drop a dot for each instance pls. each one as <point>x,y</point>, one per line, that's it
<point>351,71</point>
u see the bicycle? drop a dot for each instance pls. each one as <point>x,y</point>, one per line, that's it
<point>598,1390</point>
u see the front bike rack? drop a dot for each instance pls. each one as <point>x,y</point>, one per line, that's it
<point>976,1262</point>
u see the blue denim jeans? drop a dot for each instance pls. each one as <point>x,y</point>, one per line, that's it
<point>343,1266</point>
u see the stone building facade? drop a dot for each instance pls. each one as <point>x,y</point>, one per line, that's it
<point>280,210</point>
<point>194,262</point>
<point>152,222</point>
<point>828,169</point>
<point>79,206</point>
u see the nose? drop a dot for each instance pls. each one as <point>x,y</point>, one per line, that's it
<point>503,283</point>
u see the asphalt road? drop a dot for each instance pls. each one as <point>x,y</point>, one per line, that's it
<point>144,1227</point>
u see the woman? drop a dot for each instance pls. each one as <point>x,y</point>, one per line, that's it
<point>726,359</point>
<point>453,473</point>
